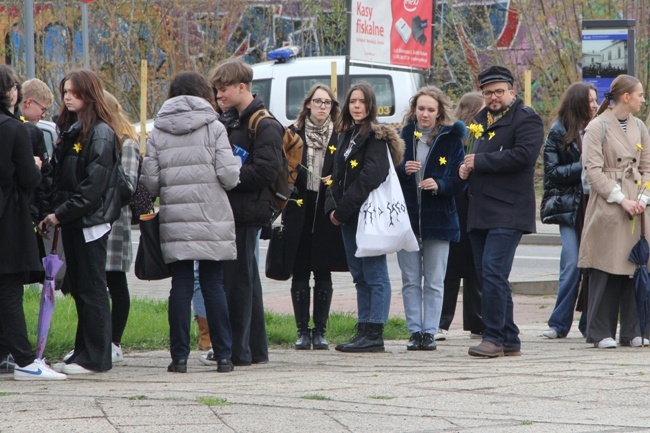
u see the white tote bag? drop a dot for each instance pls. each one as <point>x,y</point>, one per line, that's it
<point>384,226</point>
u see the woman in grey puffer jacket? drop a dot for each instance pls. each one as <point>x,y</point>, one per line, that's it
<point>189,164</point>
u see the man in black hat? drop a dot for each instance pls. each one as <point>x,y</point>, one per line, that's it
<point>501,202</point>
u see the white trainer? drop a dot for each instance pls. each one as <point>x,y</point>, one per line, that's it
<point>208,358</point>
<point>117,354</point>
<point>606,343</point>
<point>550,333</point>
<point>76,369</point>
<point>37,370</point>
<point>636,342</point>
<point>440,336</point>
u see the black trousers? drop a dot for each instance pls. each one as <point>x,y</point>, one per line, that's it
<point>118,288</point>
<point>13,330</point>
<point>245,303</point>
<point>86,264</point>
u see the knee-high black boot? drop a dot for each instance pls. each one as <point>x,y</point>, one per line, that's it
<point>300,297</point>
<point>322,301</point>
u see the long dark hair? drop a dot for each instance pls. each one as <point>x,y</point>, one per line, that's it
<point>305,112</point>
<point>8,79</point>
<point>574,111</point>
<point>346,122</point>
<point>88,88</point>
<point>191,84</point>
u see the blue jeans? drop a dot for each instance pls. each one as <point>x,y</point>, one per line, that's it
<point>423,302</point>
<point>494,252</point>
<point>567,291</point>
<point>180,299</point>
<point>198,304</point>
<point>370,276</point>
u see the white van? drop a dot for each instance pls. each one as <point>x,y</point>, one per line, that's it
<point>283,85</point>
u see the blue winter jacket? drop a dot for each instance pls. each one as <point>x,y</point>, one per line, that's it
<point>434,216</point>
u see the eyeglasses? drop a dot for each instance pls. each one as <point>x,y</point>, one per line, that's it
<point>322,102</point>
<point>41,106</point>
<point>487,94</point>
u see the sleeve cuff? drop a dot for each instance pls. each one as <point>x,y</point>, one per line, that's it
<point>616,196</point>
<point>643,198</point>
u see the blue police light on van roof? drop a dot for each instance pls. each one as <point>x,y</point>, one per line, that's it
<point>283,54</point>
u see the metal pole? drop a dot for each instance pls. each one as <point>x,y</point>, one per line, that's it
<point>29,39</point>
<point>348,39</point>
<point>84,33</point>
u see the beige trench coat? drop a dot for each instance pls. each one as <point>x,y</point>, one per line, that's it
<point>607,236</point>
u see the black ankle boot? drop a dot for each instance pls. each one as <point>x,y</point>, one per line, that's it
<point>304,339</point>
<point>318,339</point>
<point>360,332</point>
<point>371,341</point>
<point>178,366</point>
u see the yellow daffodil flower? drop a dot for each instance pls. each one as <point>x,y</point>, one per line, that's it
<point>417,134</point>
<point>476,129</point>
<point>23,119</point>
<point>77,147</point>
<point>354,163</point>
<point>443,160</point>
<point>332,149</point>
<point>491,135</point>
<point>647,185</point>
<point>329,182</point>
<point>639,146</point>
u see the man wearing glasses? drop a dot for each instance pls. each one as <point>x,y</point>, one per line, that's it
<point>501,193</point>
<point>37,99</point>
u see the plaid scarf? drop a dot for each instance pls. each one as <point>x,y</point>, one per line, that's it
<point>491,118</point>
<point>316,138</point>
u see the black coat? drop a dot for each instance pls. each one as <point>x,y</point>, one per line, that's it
<point>85,178</point>
<point>39,204</point>
<point>19,176</point>
<point>501,187</point>
<point>251,199</point>
<point>562,179</point>
<point>327,251</point>
<point>362,171</point>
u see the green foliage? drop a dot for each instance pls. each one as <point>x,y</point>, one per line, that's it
<point>148,327</point>
<point>213,401</point>
<point>381,397</point>
<point>138,397</point>
<point>315,397</point>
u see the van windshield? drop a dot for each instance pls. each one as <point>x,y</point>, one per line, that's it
<point>298,87</point>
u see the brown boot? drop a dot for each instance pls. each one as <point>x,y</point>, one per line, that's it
<point>204,333</point>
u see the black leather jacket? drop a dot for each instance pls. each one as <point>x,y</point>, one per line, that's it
<point>562,185</point>
<point>85,178</point>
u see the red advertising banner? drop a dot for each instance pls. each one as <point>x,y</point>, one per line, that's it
<point>396,32</point>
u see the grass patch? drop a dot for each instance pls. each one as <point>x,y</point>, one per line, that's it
<point>526,422</point>
<point>3,394</point>
<point>138,397</point>
<point>381,397</point>
<point>315,397</point>
<point>148,328</point>
<point>213,401</point>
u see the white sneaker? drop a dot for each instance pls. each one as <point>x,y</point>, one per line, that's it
<point>76,369</point>
<point>440,336</point>
<point>606,343</point>
<point>117,353</point>
<point>636,342</point>
<point>550,333</point>
<point>58,367</point>
<point>68,356</point>
<point>37,370</point>
<point>208,358</point>
<point>475,336</point>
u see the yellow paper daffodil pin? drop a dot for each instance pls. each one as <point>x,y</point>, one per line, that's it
<point>77,147</point>
<point>491,135</point>
<point>443,160</point>
<point>328,182</point>
<point>23,119</point>
<point>639,146</point>
<point>299,202</point>
<point>417,134</point>
<point>332,149</point>
<point>354,163</point>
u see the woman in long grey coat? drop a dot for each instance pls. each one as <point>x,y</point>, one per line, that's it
<point>616,158</point>
<point>189,164</point>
